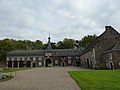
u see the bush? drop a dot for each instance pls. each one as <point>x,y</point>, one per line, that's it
<point>101,67</point>
<point>6,69</point>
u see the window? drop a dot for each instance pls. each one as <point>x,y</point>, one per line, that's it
<point>110,56</point>
<point>77,57</point>
<point>69,57</point>
<point>69,61</point>
<point>34,58</point>
<point>63,57</point>
<point>13,58</point>
<point>56,61</point>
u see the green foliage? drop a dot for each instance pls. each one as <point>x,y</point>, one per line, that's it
<point>66,44</point>
<point>101,67</point>
<point>97,80</point>
<point>87,40</point>
<point>8,45</point>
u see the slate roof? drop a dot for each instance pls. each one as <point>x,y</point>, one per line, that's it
<point>55,52</point>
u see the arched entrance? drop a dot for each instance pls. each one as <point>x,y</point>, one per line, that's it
<point>48,62</point>
<point>74,64</point>
<point>111,65</point>
<point>63,64</point>
<point>10,64</point>
<point>34,64</point>
<point>28,64</point>
<point>15,63</point>
<point>21,63</point>
<point>88,65</point>
<point>77,63</point>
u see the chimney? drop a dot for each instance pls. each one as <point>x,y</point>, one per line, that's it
<point>109,28</point>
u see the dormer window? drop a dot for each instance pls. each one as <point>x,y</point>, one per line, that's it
<point>63,57</point>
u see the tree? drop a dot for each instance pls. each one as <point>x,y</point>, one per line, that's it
<point>66,44</point>
<point>87,40</point>
<point>8,45</point>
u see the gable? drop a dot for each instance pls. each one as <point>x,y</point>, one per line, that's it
<point>107,39</point>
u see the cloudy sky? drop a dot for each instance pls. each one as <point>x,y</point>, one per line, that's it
<point>35,19</point>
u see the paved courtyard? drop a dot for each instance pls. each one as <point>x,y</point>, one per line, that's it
<point>45,78</point>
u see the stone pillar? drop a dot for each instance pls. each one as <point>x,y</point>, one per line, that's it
<point>31,64</point>
<point>18,64</point>
<point>7,64</point>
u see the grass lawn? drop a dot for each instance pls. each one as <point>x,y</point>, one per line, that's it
<point>97,80</point>
<point>12,69</point>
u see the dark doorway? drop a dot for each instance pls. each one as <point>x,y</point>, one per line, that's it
<point>15,63</point>
<point>28,64</point>
<point>77,63</point>
<point>48,62</point>
<point>10,64</point>
<point>74,63</point>
<point>111,65</point>
<point>63,64</point>
<point>85,63</point>
<point>91,64</point>
<point>34,65</point>
<point>21,64</point>
<point>88,65</point>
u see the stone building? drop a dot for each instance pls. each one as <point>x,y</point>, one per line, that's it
<point>105,51</point>
<point>47,58</point>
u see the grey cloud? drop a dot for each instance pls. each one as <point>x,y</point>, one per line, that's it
<point>35,19</point>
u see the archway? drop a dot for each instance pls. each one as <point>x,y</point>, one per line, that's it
<point>63,64</point>
<point>74,64</point>
<point>15,63</point>
<point>21,63</point>
<point>48,62</point>
<point>111,66</point>
<point>91,65</point>
<point>10,64</point>
<point>34,64</point>
<point>88,65</point>
<point>28,64</point>
<point>77,63</point>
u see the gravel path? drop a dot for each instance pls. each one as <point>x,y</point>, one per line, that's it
<point>46,78</point>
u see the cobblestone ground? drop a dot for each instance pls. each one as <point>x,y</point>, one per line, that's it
<point>47,78</point>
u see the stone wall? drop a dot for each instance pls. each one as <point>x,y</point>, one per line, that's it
<point>104,42</point>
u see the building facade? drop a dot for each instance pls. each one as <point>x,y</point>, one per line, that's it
<point>104,51</point>
<point>44,58</point>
